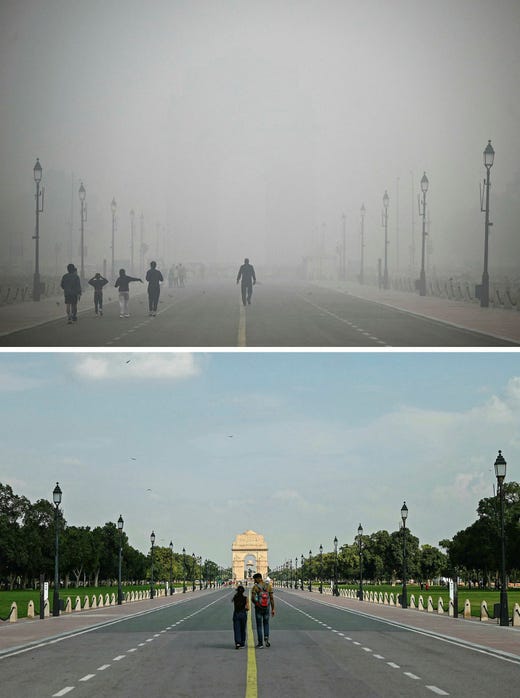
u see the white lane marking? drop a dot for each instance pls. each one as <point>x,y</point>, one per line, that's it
<point>87,677</point>
<point>134,649</point>
<point>63,691</point>
<point>150,639</point>
<point>366,649</point>
<point>437,690</point>
<point>356,643</point>
<point>378,656</point>
<point>411,676</point>
<point>103,667</point>
<point>119,658</point>
<point>393,665</point>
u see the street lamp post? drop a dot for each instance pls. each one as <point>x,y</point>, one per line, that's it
<point>296,572</point>
<point>132,230</point>
<point>344,250</point>
<point>321,569</point>
<point>422,212</point>
<point>404,516</point>
<point>489,156</point>
<point>360,544</point>
<point>113,207</point>
<point>335,590</point>
<point>120,524</point>
<point>386,200</point>
<point>500,472</point>
<point>199,559</point>
<point>171,567</point>
<point>184,570</point>
<point>301,580</point>
<point>310,568</point>
<point>362,269</point>
<point>152,541</point>
<point>56,498</point>
<point>37,172</point>
<point>83,219</point>
<point>193,572</point>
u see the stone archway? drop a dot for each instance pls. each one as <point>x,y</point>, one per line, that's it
<point>245,545</point>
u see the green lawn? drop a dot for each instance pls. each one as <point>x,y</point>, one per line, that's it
<point>22,598</point>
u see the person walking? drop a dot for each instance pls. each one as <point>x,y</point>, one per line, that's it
<point>98,281</point>
<point>241,607</point>
<point>154,278</point>
<point>71,286</point>
<point>247,274</point>
<point>123,284</point>
<point>263,599</point>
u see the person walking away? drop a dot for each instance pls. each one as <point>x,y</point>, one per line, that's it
<point>71,286</point>
<point>182,275</point>
<point>241,607</point>
<point>123,284</point>
<point>98,281</point>
<point>247,274</point>
<point>263,599</point>
<point>171,275</point>
<point>154,278</point>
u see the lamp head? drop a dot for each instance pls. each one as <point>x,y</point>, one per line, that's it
<point>82,192</point>
<point>386,199</point>
<point>404,512</point>
<point>152,537</point>
<point>120,523</point>
<point>113,205</point>
<point>424,183</point>
<point>500,467</point>
<point>37,171</point>
<point>489,155</point>
<point>56,495</point>
<point>360,530</point>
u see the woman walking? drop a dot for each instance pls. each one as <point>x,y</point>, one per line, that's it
<point>241,607</point>
<point>122,283</point>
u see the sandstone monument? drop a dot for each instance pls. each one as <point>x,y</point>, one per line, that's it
<point>249,550</point>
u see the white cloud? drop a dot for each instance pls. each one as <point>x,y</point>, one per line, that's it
<point>138,366</point>
<point>14,382</point>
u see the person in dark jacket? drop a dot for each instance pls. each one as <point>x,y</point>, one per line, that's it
<point>154,278</point>
<point>247,274</point>
<point>123,284</point>
<point>241,607</point>
<point>98,281</point>
<point>71,286</point>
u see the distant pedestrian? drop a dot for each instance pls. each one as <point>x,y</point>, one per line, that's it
<point>98,281</point>
<point>171,275</point>
<point>247,274</point>
<point>154,278</point>
<point>241,607</point>
<point>123,284</point>
<point>71,286</point>
<point>182,275</point>
<point>263,599</point>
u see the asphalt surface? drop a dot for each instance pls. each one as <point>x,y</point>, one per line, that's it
<point>183,646</point>
<point>212,315</point>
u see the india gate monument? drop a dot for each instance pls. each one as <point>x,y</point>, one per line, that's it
<point>249,555</point>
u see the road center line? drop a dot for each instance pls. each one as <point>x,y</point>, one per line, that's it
<point>251,676</point>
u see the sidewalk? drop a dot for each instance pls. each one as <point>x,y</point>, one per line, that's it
<point>474,633</point>
<point>496,322</point>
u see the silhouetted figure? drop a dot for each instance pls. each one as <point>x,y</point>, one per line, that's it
<point>241,607</point>
<point>182,274</point>
<point>123,284</point>
<point>154,278</point>
<point>98,281</point>
<point>247,274</point>
<point>171,276</point>
<point>71,286</point>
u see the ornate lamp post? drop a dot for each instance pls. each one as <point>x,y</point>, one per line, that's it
<point>301,560</point>
<point>422,212</point>
<point>113,207</point>
<point>386,200</point>
<point>296,572</point>
<point>404,516</point>
<point>171,567</point>
<point>489,156</point>
<point>37,172</point>
<point>321,569</point>
<point>132,231</point>
<point>83,219</point>
<point>56,498</point>
<point>362,269</point>
<point>360,545</point>
<point>120,524</point>
<point>152,541</point>
<point>199,560</point>
<point>184,570</point>
<point>310,568</point>
<point>335,590</point>
<point>500,472</point>
<point>193,572</point>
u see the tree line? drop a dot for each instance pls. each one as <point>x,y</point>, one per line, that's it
<point>87,556</point>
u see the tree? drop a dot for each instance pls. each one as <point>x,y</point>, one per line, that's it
<point>431,562</point>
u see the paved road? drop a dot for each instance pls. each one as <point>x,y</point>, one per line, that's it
<point>211,315</point>
<point>321,646</point>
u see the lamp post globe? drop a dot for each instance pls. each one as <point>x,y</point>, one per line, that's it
<point>56,498</point>
<point>500,473</point>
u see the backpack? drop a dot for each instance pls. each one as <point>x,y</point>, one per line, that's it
<point>263,597</point>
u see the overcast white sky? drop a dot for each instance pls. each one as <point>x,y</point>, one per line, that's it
<point>243,127</point>
<point>300,447</point>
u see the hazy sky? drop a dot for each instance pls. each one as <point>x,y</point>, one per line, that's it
<point>249,127</point>
<point>300,447</point>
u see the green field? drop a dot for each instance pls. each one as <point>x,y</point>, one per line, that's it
<point>22,598</point>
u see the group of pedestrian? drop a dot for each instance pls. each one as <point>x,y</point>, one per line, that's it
<point>177,276</point>
<point>262,598</point>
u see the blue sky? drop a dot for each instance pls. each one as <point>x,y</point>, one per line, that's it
<point>300,447</point>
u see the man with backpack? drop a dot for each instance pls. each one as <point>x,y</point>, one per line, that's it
<point>263,600</point>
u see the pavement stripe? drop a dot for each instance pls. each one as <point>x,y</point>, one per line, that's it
<point>242,326</point>
<point>63,691</point>
<point>87,677</point>
<point>438,691</point>
<point>251,677</point>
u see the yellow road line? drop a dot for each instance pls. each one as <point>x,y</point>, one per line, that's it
<point>242,326</point>
<point>251,680</point>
